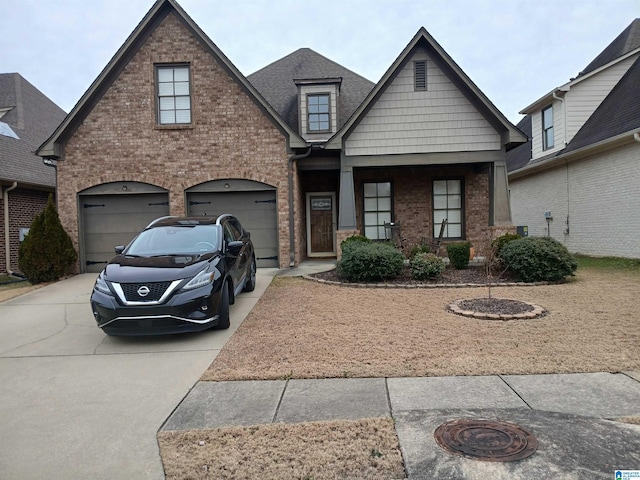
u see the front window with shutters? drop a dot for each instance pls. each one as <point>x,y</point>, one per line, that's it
<point>174,95</point>
<point>448,204</point>
<point>377,209</point>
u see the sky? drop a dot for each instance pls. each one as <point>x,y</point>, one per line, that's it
<point>515,51</point>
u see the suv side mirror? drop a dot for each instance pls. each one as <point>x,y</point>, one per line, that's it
<point>119,249</point>
<point>235,246</point>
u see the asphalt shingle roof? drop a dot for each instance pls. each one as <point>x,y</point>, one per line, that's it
<point>627,41</point>
<point>33,117</point>
<point>519,157</point>
<point>618,113</point>
<point>275,82</point>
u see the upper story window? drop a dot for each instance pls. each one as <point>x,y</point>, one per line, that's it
<point>174,95</point>
<point>420,75</point>
<point>547,128</point>
<point>447,203</point>
<point>318,113</point>
<point>377,209</point>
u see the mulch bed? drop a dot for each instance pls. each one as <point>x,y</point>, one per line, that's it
<point>472,274</point>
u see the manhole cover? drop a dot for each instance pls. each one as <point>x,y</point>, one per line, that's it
<point>488,441</point>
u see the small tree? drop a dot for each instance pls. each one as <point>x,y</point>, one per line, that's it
<point>47,252</point>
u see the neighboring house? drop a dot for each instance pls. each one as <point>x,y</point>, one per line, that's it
<point>27,118</point>
<point>304,151</point>
<point>578,179</point>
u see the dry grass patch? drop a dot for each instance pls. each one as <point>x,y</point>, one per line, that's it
<point>364,449</point>
<point>303,329</point>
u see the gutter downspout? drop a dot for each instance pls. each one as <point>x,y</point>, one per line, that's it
<point>6,228</point>
<point>564,119</point>
<point>636,137</point>
<point>292,226</point>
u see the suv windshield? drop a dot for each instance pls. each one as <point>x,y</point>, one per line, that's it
<point>175,240</point>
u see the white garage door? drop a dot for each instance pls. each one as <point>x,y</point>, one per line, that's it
<point>256,210</point>
<point>110,220</point>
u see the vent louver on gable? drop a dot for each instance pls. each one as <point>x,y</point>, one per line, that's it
<point>420,75</point>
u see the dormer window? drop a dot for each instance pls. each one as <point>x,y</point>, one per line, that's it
<point>319,119</point>
<point>318,107</point>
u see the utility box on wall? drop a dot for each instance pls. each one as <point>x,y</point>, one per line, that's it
<point>522,230</point>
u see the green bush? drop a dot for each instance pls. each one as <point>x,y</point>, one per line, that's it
<point>422,248</point>
<point>47,253</point>
<point>501,241</point>
<point>353,241</point>
<point>426,265</point>
<point>459,254</point>
<point>370,262</point>
<point>535,259</point>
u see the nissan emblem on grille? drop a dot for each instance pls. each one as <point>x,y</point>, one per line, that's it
<point>143,291</point>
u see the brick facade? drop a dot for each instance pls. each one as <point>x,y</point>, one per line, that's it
<point>230,137</point>
<point>24,205</point>
<point>413,198</point>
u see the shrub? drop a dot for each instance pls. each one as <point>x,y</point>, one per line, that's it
<point>426,265</point>
<point>459,254</point>
<point>353,241</point>
<point>367,261</point>
<point>422,248</point>
<point>501,241</point>
<point>535,259</point>
<point>47,253</point>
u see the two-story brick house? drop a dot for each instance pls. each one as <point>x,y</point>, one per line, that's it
<point>578,178</point>
<point>304,151</point>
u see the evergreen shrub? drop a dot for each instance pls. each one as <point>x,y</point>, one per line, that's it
<point>535,259</point>
<point>459,254</point>
<point>426,265</point>
<point>47,252</point>
<point>369,261</point>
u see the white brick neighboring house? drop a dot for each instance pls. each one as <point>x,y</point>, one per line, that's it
<point>582,163</point>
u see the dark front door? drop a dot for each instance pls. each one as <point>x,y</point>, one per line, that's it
<point>321,224</point>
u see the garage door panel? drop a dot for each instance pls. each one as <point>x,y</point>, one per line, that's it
<point>110,220</point>
<point>257,212</point>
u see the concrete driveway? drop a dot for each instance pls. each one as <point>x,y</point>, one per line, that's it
<point>76,404</point>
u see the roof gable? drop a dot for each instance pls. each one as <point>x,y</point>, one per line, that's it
<point>276,82</point>
<point>53,147</point>
<point>619,113</point>
<point>32,116</point>
<point>511,135</point>
<point>624,43</point>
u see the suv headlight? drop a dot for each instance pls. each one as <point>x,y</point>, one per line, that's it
<point>200,280</point>
<point>101,284</point>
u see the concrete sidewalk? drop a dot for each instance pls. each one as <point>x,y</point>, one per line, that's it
<point>567,413</point>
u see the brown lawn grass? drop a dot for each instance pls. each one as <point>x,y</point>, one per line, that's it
<point>304,329</point>
<point>363,449</point>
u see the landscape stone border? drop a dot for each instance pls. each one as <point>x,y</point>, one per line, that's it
<point>537,311</point>
<point>424,285</point>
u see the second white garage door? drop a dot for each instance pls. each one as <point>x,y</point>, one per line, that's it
<point>256,210</point>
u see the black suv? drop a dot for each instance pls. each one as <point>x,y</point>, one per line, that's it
<point>180,274</point>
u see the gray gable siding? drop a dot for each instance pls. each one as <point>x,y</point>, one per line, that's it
<point>404,121</point>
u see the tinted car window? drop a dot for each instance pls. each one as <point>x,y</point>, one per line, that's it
<point>231,233</point>
<point>175,240</point>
